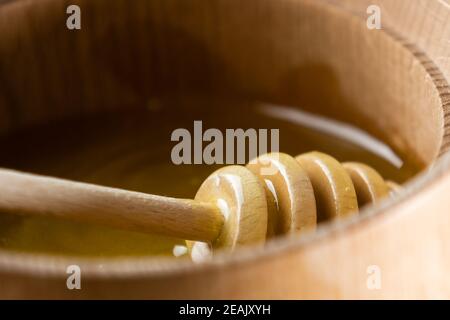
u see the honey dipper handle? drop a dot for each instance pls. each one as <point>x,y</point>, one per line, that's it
<point>35,195</point>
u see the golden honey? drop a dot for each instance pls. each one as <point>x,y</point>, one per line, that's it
<point>131,149</point>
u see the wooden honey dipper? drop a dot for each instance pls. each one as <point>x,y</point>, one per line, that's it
<point>236,205</point>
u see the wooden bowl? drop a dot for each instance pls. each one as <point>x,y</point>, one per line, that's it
<point>316,54</point>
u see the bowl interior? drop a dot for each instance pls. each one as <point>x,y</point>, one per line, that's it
<point>154,55</point>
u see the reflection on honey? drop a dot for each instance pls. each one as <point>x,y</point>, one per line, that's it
<point>131,149</point>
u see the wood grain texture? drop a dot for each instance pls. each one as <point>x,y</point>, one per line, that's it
<point>291,203</point>
<point>315,54</point>
<point>424,28</point>
<point>45,196</point>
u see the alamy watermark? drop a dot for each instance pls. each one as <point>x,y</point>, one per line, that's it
<point>234,146</point>
<point>73,281</point>
<point>373,277</point>
<point>73,21</point>
<point>374,19</point>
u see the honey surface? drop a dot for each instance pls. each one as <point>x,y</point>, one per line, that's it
<point>131,149</point>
